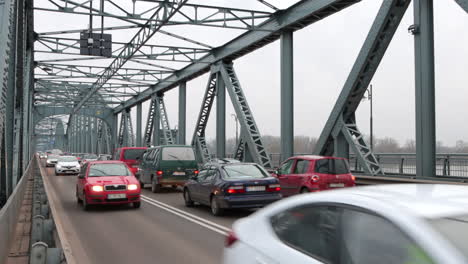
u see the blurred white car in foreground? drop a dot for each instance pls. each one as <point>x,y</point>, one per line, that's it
<point>386,224</point>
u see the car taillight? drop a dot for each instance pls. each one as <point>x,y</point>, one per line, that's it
<point>230,239</point>
<point>353,177</point>
<point>159,173</point>
<point>274,188</point>
<point>236,189</point>
<point>315,178</point>
<point>196,172</point>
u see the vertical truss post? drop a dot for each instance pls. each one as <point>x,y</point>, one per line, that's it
<point>150,122</point>
<point>254,147</point>
<point>425,88</point>
<point>182,113</point>
<point>88,134</point>
<point>341,121</point>
<point>156,123</point>
<point>198,139</point>
<point>220,118</point>
<point>100,137</point>
<point>139,142</point>
<point>287,95</point>
<point>162,114</point>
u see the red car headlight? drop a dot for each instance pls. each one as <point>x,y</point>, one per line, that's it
<point>132,187</point>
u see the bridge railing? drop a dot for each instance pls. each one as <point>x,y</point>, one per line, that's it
<point>10,211</point>
<point>450,164</point>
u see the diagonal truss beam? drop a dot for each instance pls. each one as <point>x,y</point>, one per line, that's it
<point>143,35</point>
<point>463,4</point>
<point>341,120</point>
<point>295,17</point>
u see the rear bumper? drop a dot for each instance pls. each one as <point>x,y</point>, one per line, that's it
<point>248,201</point>
<point>172,182</point>
<point>102,199</point>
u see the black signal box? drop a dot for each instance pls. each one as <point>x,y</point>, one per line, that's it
<point>96,44</point>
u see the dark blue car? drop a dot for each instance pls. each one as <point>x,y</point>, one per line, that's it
<point>227,184</point>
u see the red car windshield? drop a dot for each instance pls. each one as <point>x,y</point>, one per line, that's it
<point>109,169</point>
<point>332,166</point>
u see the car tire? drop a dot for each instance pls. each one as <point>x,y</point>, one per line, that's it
<point>85,203</point>
<point>187,198</point>
<point>78,200</point>
<point>215,209</point>
<point>155,187</point>
<point>304,190</point>
<point>136,205</point>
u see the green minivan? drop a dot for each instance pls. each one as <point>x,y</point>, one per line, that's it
<point>167,165</point>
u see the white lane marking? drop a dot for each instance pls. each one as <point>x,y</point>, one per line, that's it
<point>187,218</point>
<point>188,214</point>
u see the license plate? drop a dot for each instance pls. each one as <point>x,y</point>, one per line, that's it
<point>178,173</point>
<point>255,188</point>
<point>116,196</point>
<point>336,185</point>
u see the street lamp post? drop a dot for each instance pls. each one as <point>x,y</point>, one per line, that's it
<point>237,129</point>
<point>371,118</point>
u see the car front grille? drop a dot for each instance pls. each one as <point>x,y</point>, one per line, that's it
<point>116,187</point>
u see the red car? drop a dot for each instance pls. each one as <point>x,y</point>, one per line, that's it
<point>107,182</point>
<point>130,155</point>
<point>310,173</point>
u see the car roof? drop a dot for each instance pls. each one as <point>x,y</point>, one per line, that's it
<point>423,200</point>
<point>106,162</point>
<point>124,148</point>
<point>314,157</point>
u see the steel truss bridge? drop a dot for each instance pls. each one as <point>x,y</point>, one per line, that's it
<point>53,96</point>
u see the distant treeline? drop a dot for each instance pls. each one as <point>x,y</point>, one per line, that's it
<point>305,144</point>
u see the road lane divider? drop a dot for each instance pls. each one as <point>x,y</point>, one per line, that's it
<point>188,216</point>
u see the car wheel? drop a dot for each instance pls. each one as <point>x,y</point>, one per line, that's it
<point>155,187</point>
<point>304,190</point>
<point>215,209</point>
<point>85,203</point>
<point>187,198</point>
<point>78,200</point>
<point>136,205</point>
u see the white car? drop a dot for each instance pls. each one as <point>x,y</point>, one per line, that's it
<point>67,165</point>
<point>386,224</point>
<point>51,160</point>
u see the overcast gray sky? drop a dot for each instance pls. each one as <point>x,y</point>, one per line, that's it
<point>323,56</point>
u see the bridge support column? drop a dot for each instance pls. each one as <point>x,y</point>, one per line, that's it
<point>156,128</point>
<point>182,113</point>
<point>425,88</point>
<point>220,117</point>
<point>139,142</point>
<point>287,95</point>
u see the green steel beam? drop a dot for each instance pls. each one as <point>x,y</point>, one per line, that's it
<point>341,121</point>
<point>287,95</point>
<point>295,17</point>
<point>425,88</point>
<point>463,4</point>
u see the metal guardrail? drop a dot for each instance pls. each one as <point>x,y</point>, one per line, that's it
<point>10,211</point>
<point>43,247</point>
<point>447,165</point>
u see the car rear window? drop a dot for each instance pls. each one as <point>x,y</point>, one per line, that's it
<point>455,230</point>
<point>67,159</point>
<point>178,153</point>
<point>90,156</point>
<point>133,154</point>
<point>99,170</point>
<point>331,166</point>
<point>244,171</point>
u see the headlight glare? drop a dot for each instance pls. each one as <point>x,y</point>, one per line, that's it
<point>132,187</point>
<point>97,188</point>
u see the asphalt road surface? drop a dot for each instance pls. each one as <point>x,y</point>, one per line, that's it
<point>162,231</point>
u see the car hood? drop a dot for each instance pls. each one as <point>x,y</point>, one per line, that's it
<point>71,163</point>
<point>112,180</point>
